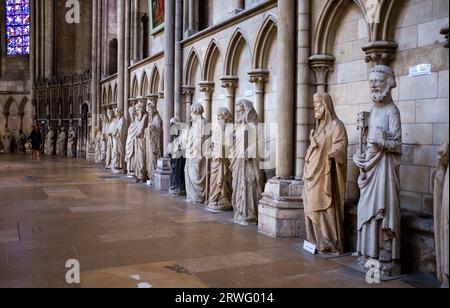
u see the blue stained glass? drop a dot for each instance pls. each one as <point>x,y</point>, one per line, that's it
<point>17,27</point>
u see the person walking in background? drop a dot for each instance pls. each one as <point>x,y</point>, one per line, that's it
<point>36,142</point>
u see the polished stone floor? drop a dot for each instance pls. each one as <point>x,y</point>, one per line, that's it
<point>126,235</point>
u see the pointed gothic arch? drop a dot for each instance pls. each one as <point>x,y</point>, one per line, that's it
<point>135,87</point>
<point>155,80</point>
<point>266,35</point>
<point>237,45</point>
<point>144,84</point>
<point>213,54</point>
<point>192,64</point>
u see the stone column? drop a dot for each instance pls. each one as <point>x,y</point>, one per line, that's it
<point>121,55</point>
<point>94,83</point>
<point>280,210</point>
<point>99,58</point>
<point>162,175</point>
<point>127,58</point>
<point>136,32</point>
<point>178,56</point>
<point>207,88</point>
<point>259,78</point>
<point>322,65</point>
<point>32,48</point>
<point>230,83</point>
<point>49,38</point>
<point>380,52</point>
<point>238,6</point>
<point>305,108</point>
<point>192,29</point>
<point>188,93</point>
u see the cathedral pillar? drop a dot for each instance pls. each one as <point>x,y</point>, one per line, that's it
<point>162,175</point>
<point>178,56</point>
<point>49,38</point>
<point>281,210</point>
<point>259,78</point>
<point>192,27</point>
<point>188,93</point>
<point>136,31</point>
<point>127,58</point>
<point>238,6</point>
<point>121,55</point>
<point>230,83</point>
<point>94,84</point>
<point>207,88</point>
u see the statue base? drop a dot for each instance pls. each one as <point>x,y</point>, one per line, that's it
<point>281,210</point>
<point>90,157</point>
<point>162,175</point>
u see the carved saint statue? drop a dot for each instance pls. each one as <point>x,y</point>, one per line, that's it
<point>7,142</point>
<point>153,139</point>
<point>108,128</point>
<point>325,178</point>
<point>441,209</point>
<point>62,143</point>
<point>245,165</point>
<point>195,172</point>
<point>131,140</point>
<point>379,181</point>
<point>118,141</point>
<point>177,153</point>
<point>221,189</point>
<point>49,142</point>
<point>98,146</point>
<point>71,142</point>
<point>140,144</point>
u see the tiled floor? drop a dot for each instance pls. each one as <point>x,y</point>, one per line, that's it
<point>124,234</point>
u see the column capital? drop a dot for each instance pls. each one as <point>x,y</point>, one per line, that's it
<point>230,82</point>
<point>444,32</point>
<point>161,95</point>
<point>259,76</point>
<point>380,52</point>
<point>187,90</point>
<point>153,97</point>
<point>322,65</point>
<point>206,86</point>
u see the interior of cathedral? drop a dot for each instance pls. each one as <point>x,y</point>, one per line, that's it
<point>224,144</point>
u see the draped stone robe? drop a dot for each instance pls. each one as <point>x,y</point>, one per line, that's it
<point>140,148</point>
<point>153,148</point>
<point>221,178</point>
<point>324,191</point>
<point>130,147</point>
<point>441,214</point>
<point>49,143</point>
<point>71,144</point>
<point>118,139</point>
<point>379,182</point>
<point>62,143</point>
<point>246,186</point>
<point>195,171</point>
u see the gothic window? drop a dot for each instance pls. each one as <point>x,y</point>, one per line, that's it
<point>17,27</point>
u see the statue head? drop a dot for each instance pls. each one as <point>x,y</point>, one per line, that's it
<point>323,106</point>
<point>109,114</point>
<point>246,113</point>
<point>197,111</point>
<point>132,112</point>
<point>382,81</point>
<point>140,108</point>
<point>151,108</point>
<point>224,116</point>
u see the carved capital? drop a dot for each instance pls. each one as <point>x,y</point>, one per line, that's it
<point>380,52</point>
<point>230,82</point>
<point>206,86</point>
<point>187,90</point>
<point>259,78</point>
<point>444,32</point>
<point>322,65</point>
<point>161,95</point>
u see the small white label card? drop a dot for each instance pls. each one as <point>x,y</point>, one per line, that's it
<point>420,70</point>
<point>248,93</point>
<point>311,248</point>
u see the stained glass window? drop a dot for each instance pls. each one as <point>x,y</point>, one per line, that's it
<point>17,27</point>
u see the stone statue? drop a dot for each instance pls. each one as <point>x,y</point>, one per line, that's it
<point>177,153</point>
<point>379,181</point>
<point>108,129</point>
<point>131,139</point>
<point>221,189</point>
<point>245,165</point>
<point>71,143</point>
<point>153,134</point>
<point>7,142</point>
<point>195,171</point>
<point>62,143</point>
<point>325,179</point>
<point>140,144</point>
<point>118,135</point>
<point>441,209</point>
<point>98,146</point>
<point>49,142</point>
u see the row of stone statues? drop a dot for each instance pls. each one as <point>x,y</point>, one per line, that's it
<point>62,143</point>
<point>224,175</point>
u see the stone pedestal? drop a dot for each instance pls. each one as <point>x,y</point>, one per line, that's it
<point>281,211</point>
<point>90,157</point>
<point>162,175</point>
